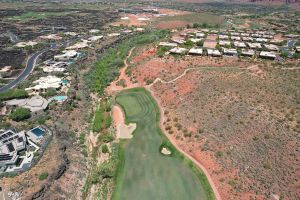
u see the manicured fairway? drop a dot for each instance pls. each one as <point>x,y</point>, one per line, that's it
<point>146,174</point>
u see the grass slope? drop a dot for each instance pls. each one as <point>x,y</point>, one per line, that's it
<point>143,172</point>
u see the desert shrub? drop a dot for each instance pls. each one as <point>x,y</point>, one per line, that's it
<point>296,55</point>
<point>106,137</point>
<point>43,176</point>
<point>108,121</point>
<point>161,51</point>
<point>219,154</point>
<point>104,148</point>
<point>20,114</point>
<point>81,138</point>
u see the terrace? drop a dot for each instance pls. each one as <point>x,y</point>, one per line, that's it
<point>35,103</point>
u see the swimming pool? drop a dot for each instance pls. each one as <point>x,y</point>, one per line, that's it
<point>38,132</point>
<point>59,98</point>
<point>65,82</point>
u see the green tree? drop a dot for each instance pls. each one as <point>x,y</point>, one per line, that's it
<point>20,114</point>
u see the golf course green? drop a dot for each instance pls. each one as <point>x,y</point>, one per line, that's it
<point>144,173</point>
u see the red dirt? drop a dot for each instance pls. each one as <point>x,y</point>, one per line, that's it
<point>171,24</point>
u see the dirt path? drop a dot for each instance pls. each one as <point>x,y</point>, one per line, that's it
<point>114,88</point>
<point>186,71</point>
<point>123,76</point>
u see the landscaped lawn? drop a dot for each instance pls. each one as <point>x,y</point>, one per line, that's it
<point>144,173</point>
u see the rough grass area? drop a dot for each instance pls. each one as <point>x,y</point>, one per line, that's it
<point>143,172</point>
<point>107,68</point>
<point>36,15</point>
<point>193,18</point>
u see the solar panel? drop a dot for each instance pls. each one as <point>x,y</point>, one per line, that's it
<point>10,147</point>
<point>5,157</point>
<point>10,133</point>
<point>20,139</point>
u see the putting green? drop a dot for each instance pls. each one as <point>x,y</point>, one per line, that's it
<point>144,173</point>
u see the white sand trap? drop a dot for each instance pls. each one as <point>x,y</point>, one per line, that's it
<point>123,131</point>
<point>166,151</point>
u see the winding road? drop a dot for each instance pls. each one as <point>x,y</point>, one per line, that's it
<point>31,62</point>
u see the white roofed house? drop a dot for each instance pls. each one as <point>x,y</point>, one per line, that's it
<point>239,44</point>
<point>214,52</point>
<point>178,40</point>
<point>247,39</point>
<point>224,43</point>
<point>267,54</point>
<point>271,47</point>
<point>55,67</point>
<point>255,45</point>
<point>195,51</point>
<point>263,40</point>
<point>223,37</point>
<point>230,52</point>
<point>178,50</point>
<point>200,35</point>
<point>168,44</point>
<point>67,55</point>
<point>44,83</point>
<point>245,34</point>
<point>195,40</point>
<point>95,38</point>
<point>247,52</point>
<point>237,38</point>
<point>94,31</point>
<point>35,104</point>
<point>297,49</point>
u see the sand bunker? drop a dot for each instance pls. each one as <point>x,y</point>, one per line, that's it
<point>166,151</point>
<point>123,131</point>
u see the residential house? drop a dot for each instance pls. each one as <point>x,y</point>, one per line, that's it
<point>168,44</point>
<point>267,54</point>
<point>196,51</point>
<point>239,44</point>
<point>178,50</point>
<point>230,52</point>
<point>247,52</point>
<point>67,55</point>
<point>214,52</point>
<point>35,104</point>
<point>271,47</point>
<point>11,143</point>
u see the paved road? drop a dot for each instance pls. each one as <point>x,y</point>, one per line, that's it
<point>28,69</point>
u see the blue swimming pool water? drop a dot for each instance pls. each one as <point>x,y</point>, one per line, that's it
<point>38,132</point>
<point>59,98</point>
<point>65,82</point>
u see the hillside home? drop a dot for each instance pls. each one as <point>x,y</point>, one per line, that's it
<point>195,51</point>
<point>214,52</point>
<point>178,50</point>
<point>247,52</point>
<point>267,54</point>
<point>230,52</point>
